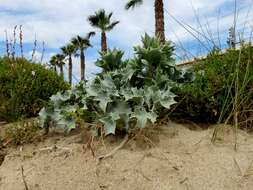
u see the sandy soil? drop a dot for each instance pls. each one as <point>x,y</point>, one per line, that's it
<point>179,159</point>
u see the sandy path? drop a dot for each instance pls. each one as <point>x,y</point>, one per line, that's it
<point>183,160</point>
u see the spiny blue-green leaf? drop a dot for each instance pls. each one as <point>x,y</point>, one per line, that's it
<point>109,125</point>
<point>133,94</point>
<point>107,82</point>
<point>84,102</point>
<point>127,73</point>
<point>143,117</point>
<point>152,95</point>
<point>67,124</point>
<point>168,102</point>
<point>79,90</point>
<point>167,99</point>
<point>93,90</point>
<point>70,108</point>
<point>57,115</point>
<point>103,101</point>
<point>113,115</point>
<point>126,119</point>
<point>120,111</point>
<point>119,107</point>
<point>61,96</point>
<point>43,114</point>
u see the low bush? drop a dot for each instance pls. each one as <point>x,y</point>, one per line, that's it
<point>25,88</point>
<point>23,132</point>
<point>223,85</point>
<point>125,95</point>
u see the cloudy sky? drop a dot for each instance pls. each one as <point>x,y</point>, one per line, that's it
<point>57,21</point>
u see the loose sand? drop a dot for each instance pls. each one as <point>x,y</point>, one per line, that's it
<point>178,159</point>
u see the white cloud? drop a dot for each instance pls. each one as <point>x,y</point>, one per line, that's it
<point>57,21</point>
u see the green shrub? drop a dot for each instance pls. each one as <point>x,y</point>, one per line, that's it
<point>124,96</point>
<point>218,79</point>
<point>25,88</point>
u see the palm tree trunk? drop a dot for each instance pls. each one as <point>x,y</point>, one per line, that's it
<point>55,70</point>
<point>103,42</point>
<point>82,59</point>
<point>70,70</point>
<point>61,70</point>
<point>159,20</point>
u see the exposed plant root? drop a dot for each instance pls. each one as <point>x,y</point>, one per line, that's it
<point>248,171</point>
<point>2,157</point>
<point>184,180</point>
<point>217,130</point>
<point>54,148</point>
<point>23,178</point>
<point>6,142</point>
<point>143,175</point>
<point>114,150</point>
<point>102,137</point>
<point>138,133</point>
<point>239,168</point>
<point>89,145</point>
<point>190,122</point>
<point>2,153</point>
<point>214,136</point>
<point>148,140</point>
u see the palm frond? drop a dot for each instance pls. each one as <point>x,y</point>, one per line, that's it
<point>53,60</point>
<point>112,25</point>
<point>98,19</point>
<point>90,34</point>
<point>101,20</point>
<point>68,50</point>
<point>82,43</point>
<point>133,3</point>
<point>59,59</point>
<point>110,15</point>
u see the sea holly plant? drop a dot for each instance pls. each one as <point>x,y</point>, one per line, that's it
<point>124,96</point>
<point>60,110</point>
<point>111,60</point>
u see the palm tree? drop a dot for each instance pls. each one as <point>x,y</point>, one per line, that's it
<point>81,44</point>
<point>159,16</point>
<point>68,51</point>
<point>60,62</point>
<point>102,21</point>
<point>53,63</point>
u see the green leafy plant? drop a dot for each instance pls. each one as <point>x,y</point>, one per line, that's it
<point>111,60</point>
<point>25,88</point>
<point>126,95</point>
<point>218,78</point>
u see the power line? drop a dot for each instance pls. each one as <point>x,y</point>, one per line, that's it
<point>245,30</point>
<point>73,76</point>
<point>214,19</point>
